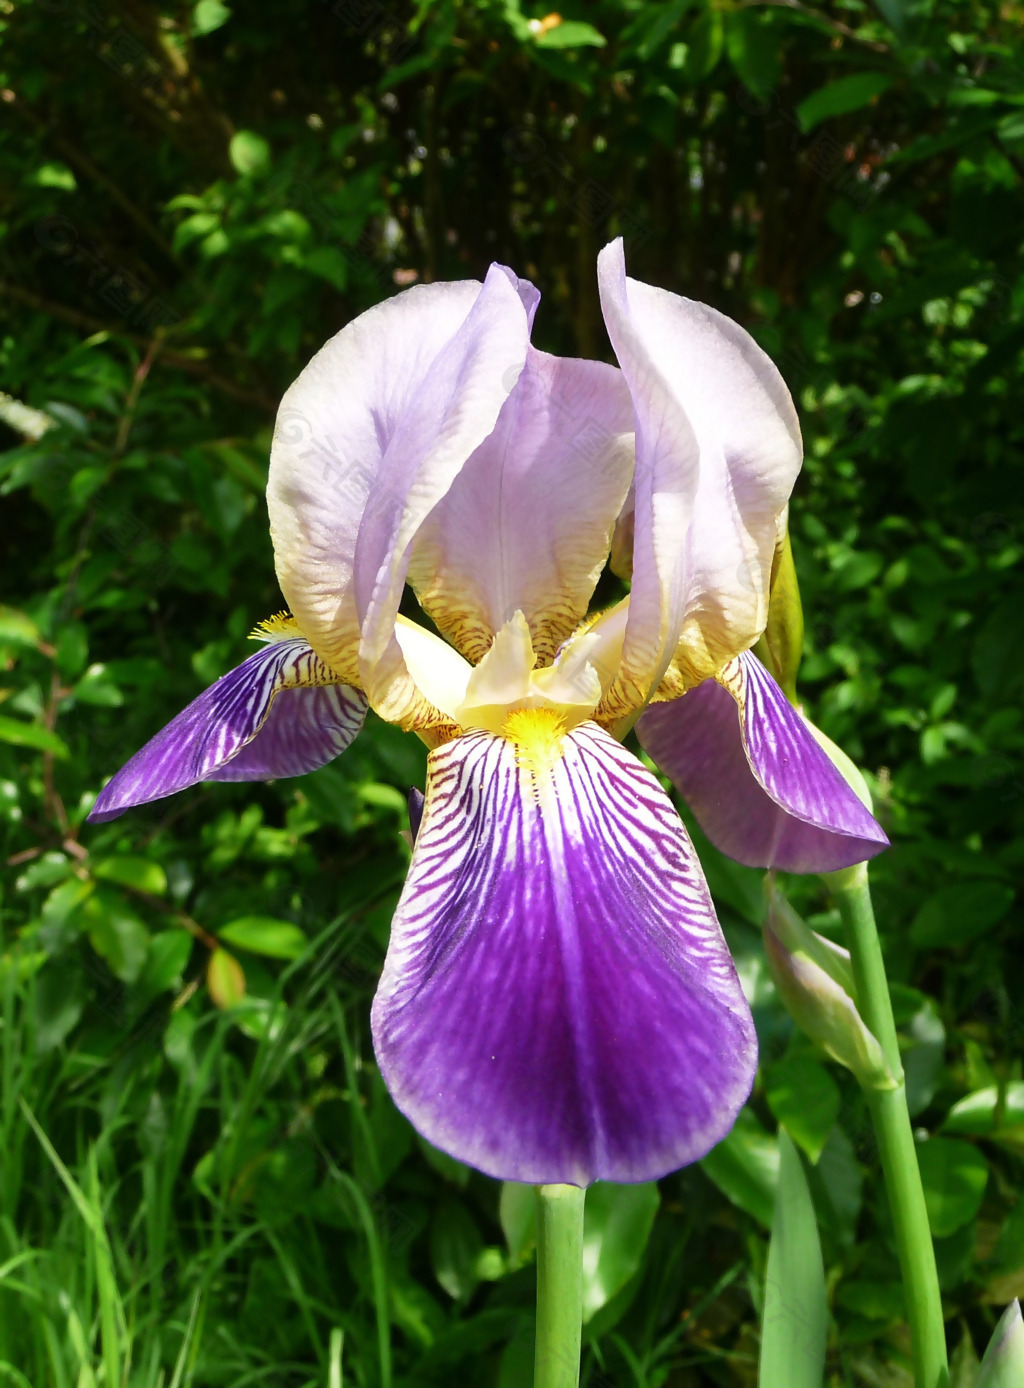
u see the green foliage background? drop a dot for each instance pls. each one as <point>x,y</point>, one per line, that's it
<point>200,1185</point>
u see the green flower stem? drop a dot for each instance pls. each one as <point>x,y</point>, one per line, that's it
<point>891,1119</point>
<point>559,1286</point>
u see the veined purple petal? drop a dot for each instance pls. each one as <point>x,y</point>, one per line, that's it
<point>279,713</point>
<point>558,1003</point>
<point>539,499</point>
<point>763,790</point>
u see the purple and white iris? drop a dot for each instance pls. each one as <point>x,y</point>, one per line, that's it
<point>558,1003</point>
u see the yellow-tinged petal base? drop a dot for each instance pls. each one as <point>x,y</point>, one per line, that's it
<point>538,735</point>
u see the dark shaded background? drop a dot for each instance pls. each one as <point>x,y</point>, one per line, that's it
<point>193,199</point>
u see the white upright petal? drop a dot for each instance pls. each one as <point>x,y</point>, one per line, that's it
<point>718,450</point>
<point>451,414</point>
<point>371,435</point>
<point>527,524</point>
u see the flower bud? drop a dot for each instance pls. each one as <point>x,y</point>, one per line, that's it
<point>1003,1364</point>
<point>784,634</point>
<point>816,985</point>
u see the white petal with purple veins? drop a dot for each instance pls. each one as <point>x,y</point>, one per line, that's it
<point>558,1003</point>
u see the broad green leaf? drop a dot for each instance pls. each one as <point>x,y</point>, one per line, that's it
<point>98,689</point>
<point>745,1167</point>
<point>754,49</point>
<point>617,1223</point>
<point>44,871</point>
<point>59,999</point>
<point>954,1175</point>
<point>805,1099</point>
<point>207,16</point>
<point>72,649</point>
<point>704,46</point>
<point>261,1019</point>
<point>17,628</point>
<point>225,979</point>
<point>33,735</point>
<point>517,1210</point>
<point>60,920</point>
<point>455,1248</point>
<point>169,953</point>
<point>249,152</point>
<point>1011,130</point>
<point>836,1183</point>
<point>839,97</point>
<point>959,914</point>
<point>571,33</point>
<point>924,1057</point>
<point>264,935</point>
<point>795,1319</point>
<point>988,1111</point>
<point>116,933</point>
<point>144,874</point>
<point>329,264</point>
<point>872,1299</point>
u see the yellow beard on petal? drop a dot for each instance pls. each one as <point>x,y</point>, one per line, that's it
<point>538,735</point>
<point>281,627</point>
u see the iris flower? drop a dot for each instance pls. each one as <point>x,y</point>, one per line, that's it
<point>558,1003</point>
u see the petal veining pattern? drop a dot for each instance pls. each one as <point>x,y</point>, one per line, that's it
<point>280,713</point>
<point>762,788</point>
<point>558,1002</point>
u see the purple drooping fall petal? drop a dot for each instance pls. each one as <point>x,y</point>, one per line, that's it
<point>279,713</point>
<point>558,1003</point>
<point>761,787</point>
<point>527,524</point>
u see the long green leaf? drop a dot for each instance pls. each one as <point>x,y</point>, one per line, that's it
<point>795,1318</point>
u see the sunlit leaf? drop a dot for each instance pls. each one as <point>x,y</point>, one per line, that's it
<point>225,979</point>
<point>842,96</point>
<point>144,874</point>
<point>264,935</point>
<point>617,1223</point>
<point>33,735</point>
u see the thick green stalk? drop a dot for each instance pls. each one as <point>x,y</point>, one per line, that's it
<point>559,1286</point>
<point>891,1120</point>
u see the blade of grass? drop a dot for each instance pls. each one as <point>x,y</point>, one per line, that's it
<point>112,1318</point>
<point>334,1379</point>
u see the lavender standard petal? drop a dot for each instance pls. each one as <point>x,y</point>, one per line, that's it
<point>558,1002</point>
<point>527,524</point>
